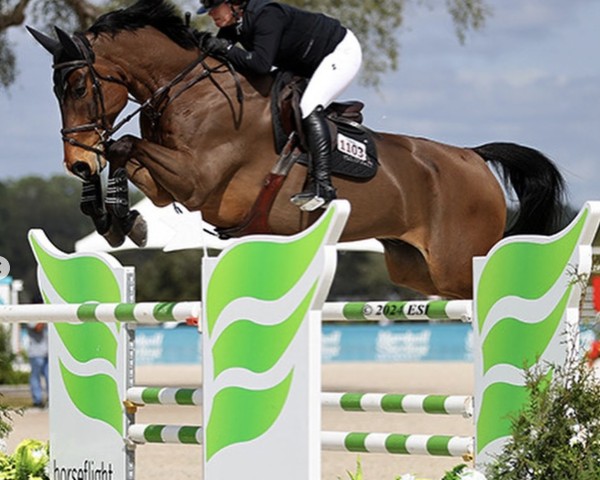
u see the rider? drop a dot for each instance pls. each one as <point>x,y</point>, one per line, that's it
<point>308,44</point>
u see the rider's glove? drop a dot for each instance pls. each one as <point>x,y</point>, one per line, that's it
<point>216,46</point>
<point>201,36</point>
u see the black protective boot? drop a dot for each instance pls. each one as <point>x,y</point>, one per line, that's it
<point>319,191</point>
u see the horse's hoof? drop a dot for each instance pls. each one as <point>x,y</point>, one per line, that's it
<point>139,231</point>
<point>114,238</point>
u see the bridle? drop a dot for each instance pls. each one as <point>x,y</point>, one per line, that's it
<point>153,106</point>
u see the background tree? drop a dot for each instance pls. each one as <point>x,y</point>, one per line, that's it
<point>53,206</point>
<point>375,22</point>
<point>32,202</point>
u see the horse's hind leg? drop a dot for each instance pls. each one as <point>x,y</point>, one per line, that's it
<point>452,249</point>
<point>407,267</point>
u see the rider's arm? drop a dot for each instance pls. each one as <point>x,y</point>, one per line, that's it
<point>265,40</point>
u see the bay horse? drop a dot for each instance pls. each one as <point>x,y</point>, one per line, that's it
<point>207,142</point>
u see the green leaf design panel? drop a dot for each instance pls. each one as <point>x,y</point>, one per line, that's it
<point>246,344</point>
<point>85,391</point>
<point>499,402</point>
<point>524,269</point>
<point>278,265</point>
<point>93,341</point>
<point>77,279</point>
<point>528,341</point>
<point>240,415</point>
<point>257,272</point>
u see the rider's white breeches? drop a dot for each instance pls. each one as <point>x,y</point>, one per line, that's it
<point>333,74</point>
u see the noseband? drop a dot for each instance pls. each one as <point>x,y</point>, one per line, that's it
<point>153,106</point>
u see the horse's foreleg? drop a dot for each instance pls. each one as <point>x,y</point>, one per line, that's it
<point>141,178</point>
<point>92,205</point>
<point>128,222</point>
<point>124,222</point>
<point>172,171</point>
<point>157,170</point>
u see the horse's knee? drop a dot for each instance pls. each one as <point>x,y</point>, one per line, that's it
<point>120,151</point>
<point>141,178</point>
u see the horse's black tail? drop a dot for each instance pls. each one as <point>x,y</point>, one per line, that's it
<point>537,182</point>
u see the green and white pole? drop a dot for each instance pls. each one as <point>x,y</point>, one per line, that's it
<point>164,396</point>
<point>358,442</point>
<point>399,403</point>
<point>347,401</point>
<point>410,310</point>
<point>148,313</point>
<point>156,313</point>
<point>141,433</point>
<point>397,443</point>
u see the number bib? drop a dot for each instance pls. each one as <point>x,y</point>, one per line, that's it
<point>351,147</point>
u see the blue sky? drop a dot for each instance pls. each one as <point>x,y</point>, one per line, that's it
<point>531,76</point>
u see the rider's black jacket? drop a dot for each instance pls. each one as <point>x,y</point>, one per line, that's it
<point>278,35</point>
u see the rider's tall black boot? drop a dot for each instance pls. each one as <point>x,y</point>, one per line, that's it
<point>319,191</point>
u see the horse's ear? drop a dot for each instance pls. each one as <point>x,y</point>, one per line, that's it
<point>44,40</point>
<point>70,47</point>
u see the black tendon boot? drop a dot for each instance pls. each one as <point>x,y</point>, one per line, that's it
<point>319,191</point>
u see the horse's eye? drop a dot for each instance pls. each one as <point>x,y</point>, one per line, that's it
<point>79,91</point>
<point>78,87</point>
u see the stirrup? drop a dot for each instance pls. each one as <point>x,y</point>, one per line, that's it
<point>301,198</point>
<point>312,204</point>
<point>309,201</point>
<point>308,204</point>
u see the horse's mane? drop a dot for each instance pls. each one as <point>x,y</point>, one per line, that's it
<point>154,13</point>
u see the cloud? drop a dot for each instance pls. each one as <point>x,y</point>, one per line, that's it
<point>527,77</point>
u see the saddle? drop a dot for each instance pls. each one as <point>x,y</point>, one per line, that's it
<point>353,149</point>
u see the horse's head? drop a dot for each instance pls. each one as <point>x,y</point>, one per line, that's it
<point>90,93</point>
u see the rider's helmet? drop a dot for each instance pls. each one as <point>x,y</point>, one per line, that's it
<point>207,5</point>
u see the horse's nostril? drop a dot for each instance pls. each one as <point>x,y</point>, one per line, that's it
<point>82,170</point>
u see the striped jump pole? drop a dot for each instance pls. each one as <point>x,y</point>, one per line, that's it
<point>152,313</point>
<point>164,396</point>
<point>349,402</point>
<point>151,433</point>
<point>391,443</point>
<point>410,310</point>
<point>397,443</point>
<point>149,313</point>
<point>400,403</point>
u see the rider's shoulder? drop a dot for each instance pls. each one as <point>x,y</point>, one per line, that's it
<point>259,6</point>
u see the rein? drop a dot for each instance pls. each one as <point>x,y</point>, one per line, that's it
<point>101,125</point>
